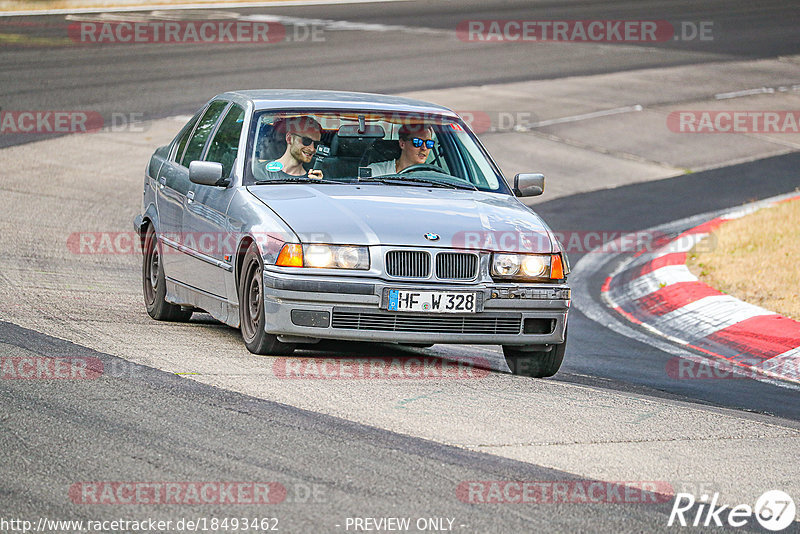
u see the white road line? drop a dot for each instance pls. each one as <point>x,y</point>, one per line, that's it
<point>746,92</point>
<point>738,214</point>
<point>345,25</point>
<point>703,317</point>
<point>585,116</point>
<point>758,91</point>
<point>146,16</point>
<point>232,5</point>
<point>326,24</point>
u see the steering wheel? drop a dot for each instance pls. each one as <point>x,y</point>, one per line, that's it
<point>423,167</point>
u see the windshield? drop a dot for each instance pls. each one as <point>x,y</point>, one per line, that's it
<point>384,148</point>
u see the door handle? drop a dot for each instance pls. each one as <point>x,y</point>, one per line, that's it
<point>190,197</point>
<point>162,182</point>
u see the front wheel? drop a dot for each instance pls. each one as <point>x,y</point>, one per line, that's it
<point>535,363</point>
<point>252,317</point>
<point>154,285</point>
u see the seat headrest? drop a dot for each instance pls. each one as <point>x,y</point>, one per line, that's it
<point>272,139</point>
<point>382,150</point>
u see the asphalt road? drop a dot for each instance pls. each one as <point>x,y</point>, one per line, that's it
<point>167,79</point>
<point>633,366</point>
<point>148,424</point>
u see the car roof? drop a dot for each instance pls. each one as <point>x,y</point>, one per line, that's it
<point>263,99</point>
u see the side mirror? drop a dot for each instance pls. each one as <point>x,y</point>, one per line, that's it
<point>205,172</point>
<point>528,185</point>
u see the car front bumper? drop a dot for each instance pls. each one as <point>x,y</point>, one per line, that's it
<point>350,308</point>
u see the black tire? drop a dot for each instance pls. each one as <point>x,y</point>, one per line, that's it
<point>251,308</point>
<point>418,345</point>
<point>154,285</point>
<point>535,363</point>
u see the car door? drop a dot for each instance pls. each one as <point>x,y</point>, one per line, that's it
<point>204,217</point>
<point>169,200</point>
<point>173,186</point>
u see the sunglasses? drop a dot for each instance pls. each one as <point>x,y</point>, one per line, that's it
<point>417,142</point>
<point>306,140</point>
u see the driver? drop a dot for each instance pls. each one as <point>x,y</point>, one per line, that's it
<point>303,135</point>
<point>416,141</point>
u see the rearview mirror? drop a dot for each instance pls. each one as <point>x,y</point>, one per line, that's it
<point>205,172</point>
<point>369,130</point>
<point>528,185</point>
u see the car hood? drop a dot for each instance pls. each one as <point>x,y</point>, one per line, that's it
<point>370,214</point>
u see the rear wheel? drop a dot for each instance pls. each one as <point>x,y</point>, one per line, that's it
<point>154,285</point>
<point>251,308</point>
<point>535,363</point>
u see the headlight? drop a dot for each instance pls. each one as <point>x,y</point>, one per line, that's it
<point>352,258</point>
<point>318,256</point>
<point>323,256</point>
<point>530,267</point>
<point>535,266</point>
<point>506,265</point>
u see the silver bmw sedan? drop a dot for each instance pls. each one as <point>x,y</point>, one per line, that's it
<point>298,216</point>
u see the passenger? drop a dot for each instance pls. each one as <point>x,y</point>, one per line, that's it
<point>303,135</point>
<point>416,141</point>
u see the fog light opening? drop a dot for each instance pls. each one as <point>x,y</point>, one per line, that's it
<point>538,326</point>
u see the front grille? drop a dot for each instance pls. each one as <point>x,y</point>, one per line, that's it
<point>427,323</point>
<point>408,263</point>
<point>456,266</point>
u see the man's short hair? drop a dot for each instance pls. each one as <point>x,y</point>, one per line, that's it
<point>302,124</point>
<point>407,131</point>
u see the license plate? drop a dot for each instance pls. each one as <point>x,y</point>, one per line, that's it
<point>402,300</point>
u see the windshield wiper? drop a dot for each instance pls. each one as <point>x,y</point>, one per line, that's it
<point>299,179</point>
<point>416,182</point>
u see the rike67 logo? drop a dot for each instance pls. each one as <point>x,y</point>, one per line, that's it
<point>774,510</point>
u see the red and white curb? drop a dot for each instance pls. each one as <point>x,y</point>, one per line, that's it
<point>657,291</point>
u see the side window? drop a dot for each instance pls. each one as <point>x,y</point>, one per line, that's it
<point>434,156</point>
<point>194,148</point>
<point>475,172</point>
<point>479,170</point>
<point>184,136</point>
<point>225,143</point>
